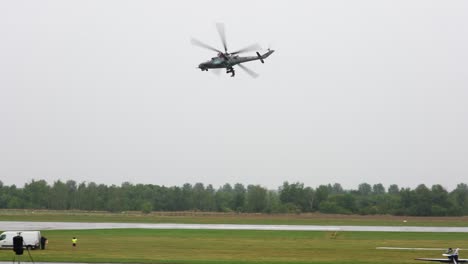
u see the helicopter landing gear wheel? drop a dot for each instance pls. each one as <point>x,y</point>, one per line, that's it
<point>231,71</point>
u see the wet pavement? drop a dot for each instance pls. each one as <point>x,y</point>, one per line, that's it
<point>17,225</point>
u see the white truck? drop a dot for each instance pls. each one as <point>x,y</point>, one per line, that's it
<point>31,239</point>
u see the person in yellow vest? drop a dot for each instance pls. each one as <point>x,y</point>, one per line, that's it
<point>74,240</point>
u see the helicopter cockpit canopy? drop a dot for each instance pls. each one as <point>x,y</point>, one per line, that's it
<point>216,60</point>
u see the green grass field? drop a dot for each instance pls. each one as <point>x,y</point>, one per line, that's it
<point>244,247</point>
<point>228,246</point>
<point>227,218</point>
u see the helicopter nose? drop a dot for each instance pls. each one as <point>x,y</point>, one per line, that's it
<point>202,67</point>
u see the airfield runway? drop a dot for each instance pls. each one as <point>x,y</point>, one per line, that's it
<point>18,225</point>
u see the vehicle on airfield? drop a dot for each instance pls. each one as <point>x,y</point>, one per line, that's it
<point>31,239</point>
<point>451,257</point>
<point>229,59</point>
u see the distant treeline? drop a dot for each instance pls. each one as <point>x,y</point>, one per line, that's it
<point>289,198</point>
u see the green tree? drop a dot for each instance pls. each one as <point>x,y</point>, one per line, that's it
<point>3,196</point>
<point>274,204</point>
<point>440,201</point>
<point>459,196</point>
<point>72,194</point>
<point>421,205</point>
<point>224,198</point>
<point>114,202</point>
<point>15,197</point>
<point>146,207</point>
<point>364,189</point>
<point>393,189</point>
<point>337,189</point>
<point>331,207</point>
<point>58,197</point>
<point>187,202</point>
<point>37,194</point>
<point>346,201</point>
<point>294,194</point>
<point>321,195</point>
<point>293,198</point>
<point>256,198</point>
<point>210,198</point>
<point>378,189</point>
<point>309,196</point>
<point>239,197</point>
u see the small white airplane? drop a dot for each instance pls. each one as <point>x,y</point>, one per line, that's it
<point>452,257</point>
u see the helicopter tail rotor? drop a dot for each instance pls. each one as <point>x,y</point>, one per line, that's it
<point>260,57</point>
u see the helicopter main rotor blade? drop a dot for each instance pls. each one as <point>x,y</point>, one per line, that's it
<point>252,47</point>
<point>198,43</point>
<point>222,35</point>
<point>248,71</point>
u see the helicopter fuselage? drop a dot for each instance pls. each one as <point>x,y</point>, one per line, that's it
<point>228,61</point>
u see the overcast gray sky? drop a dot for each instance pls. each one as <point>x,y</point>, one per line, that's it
<point>357,91</point>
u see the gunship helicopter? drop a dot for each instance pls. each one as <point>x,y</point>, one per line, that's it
<point>229,59</point>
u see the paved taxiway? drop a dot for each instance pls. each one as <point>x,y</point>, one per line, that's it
<point>17,225</point>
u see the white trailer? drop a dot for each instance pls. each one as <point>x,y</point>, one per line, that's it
<point>31,239</point>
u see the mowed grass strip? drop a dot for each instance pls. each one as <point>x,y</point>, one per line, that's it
<point>228,218</point>
<point>230,246</point>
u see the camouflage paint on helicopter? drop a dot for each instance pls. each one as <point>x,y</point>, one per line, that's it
<point>229,59</point>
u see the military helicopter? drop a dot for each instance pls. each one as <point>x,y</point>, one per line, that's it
<point>229,59</point>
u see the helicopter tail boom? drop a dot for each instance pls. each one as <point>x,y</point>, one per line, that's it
<point>264,56</point>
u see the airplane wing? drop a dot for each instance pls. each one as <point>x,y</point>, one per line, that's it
<point>444,260</point>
